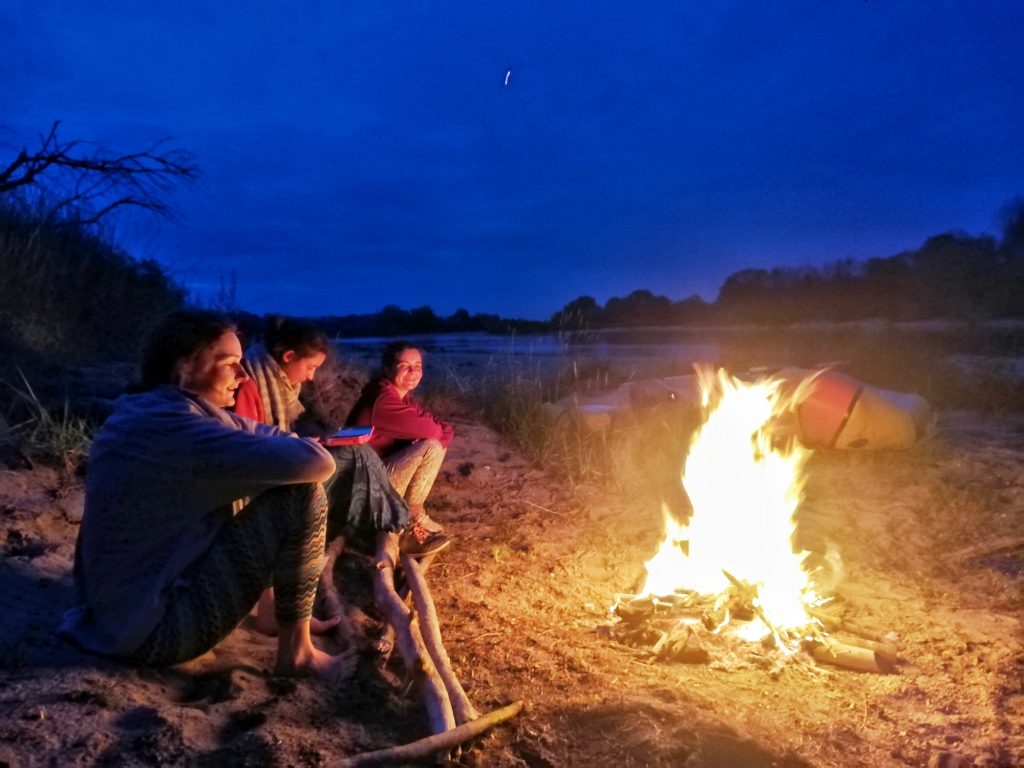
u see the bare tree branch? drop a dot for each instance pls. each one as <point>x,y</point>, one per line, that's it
<point>83,183</point>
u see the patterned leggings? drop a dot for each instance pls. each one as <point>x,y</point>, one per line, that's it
<point>277,538</point>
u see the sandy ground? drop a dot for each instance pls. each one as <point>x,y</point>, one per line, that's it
<point>523,596</point>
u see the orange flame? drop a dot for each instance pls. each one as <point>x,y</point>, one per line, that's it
<point>744,490</point>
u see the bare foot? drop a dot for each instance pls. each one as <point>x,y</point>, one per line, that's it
<point>267,625</point>
<point>316,663</point>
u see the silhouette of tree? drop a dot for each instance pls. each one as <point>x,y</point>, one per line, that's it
<point>80,183</point>
<point>578,315</point>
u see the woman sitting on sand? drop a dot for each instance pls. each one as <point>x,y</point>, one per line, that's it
<point>410,439</point>
<point>191,512</point>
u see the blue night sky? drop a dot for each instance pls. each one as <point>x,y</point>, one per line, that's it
<point>358,154</point>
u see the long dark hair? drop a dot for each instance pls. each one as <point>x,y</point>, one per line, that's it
<point>176,338</point>
<point>389,357</point>
<point>284,333</point>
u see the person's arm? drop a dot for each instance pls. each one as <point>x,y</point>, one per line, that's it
<point>245,462</point>
<point>400,420</point>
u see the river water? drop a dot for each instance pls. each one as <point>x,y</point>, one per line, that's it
<point>624,352</point>
<point>924,357</point>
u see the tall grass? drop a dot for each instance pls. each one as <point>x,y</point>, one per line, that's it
<point>60,439</point>
<point>636,453</point>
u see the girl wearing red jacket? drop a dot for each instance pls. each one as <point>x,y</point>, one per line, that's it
<point>411,440</point>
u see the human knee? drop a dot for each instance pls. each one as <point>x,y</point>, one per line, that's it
<point>300,504</point>
<point>433,447</point>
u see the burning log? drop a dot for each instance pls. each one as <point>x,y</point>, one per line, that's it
<point>410,642</point>
<point>833,623</point>
<point>679,627</point>
<point>681,644</point>
<point>433,745</point>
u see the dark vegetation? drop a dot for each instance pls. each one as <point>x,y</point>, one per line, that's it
<point>70,297</point>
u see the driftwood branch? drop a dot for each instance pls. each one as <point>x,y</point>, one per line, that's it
<point>385,644</point>
<point>409,640</point>
<point>332,602</point>
<point>461,706</point>
<point>433,745</point>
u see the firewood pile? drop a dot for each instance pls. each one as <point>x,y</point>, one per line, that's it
<point>689,628</point>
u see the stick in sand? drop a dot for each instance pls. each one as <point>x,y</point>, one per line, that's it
<point>433,745</point>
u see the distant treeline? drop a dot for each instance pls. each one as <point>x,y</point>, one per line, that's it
<point>950,276</point>
<point>395,321</point>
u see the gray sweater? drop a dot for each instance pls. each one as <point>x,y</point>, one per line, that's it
<point>162,475</point>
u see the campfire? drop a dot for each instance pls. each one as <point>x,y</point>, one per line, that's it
<point>728,586</point>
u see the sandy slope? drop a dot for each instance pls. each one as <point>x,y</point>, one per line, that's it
<point>522,599</point>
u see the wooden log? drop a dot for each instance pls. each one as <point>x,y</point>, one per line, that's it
<point>462,708</point>
<point>385,644</point>
<point>332,602</point>
<point>432,745</point>
<point>887,651</point>
<point>838,654</point>
<point>408,638</point>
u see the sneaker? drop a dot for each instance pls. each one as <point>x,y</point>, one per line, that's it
<point>417,541</point>
<point>420,517</point>
<point>428,523</point>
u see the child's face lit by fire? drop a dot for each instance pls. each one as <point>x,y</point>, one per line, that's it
<point>408,371</point>
<point>301,369</point>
